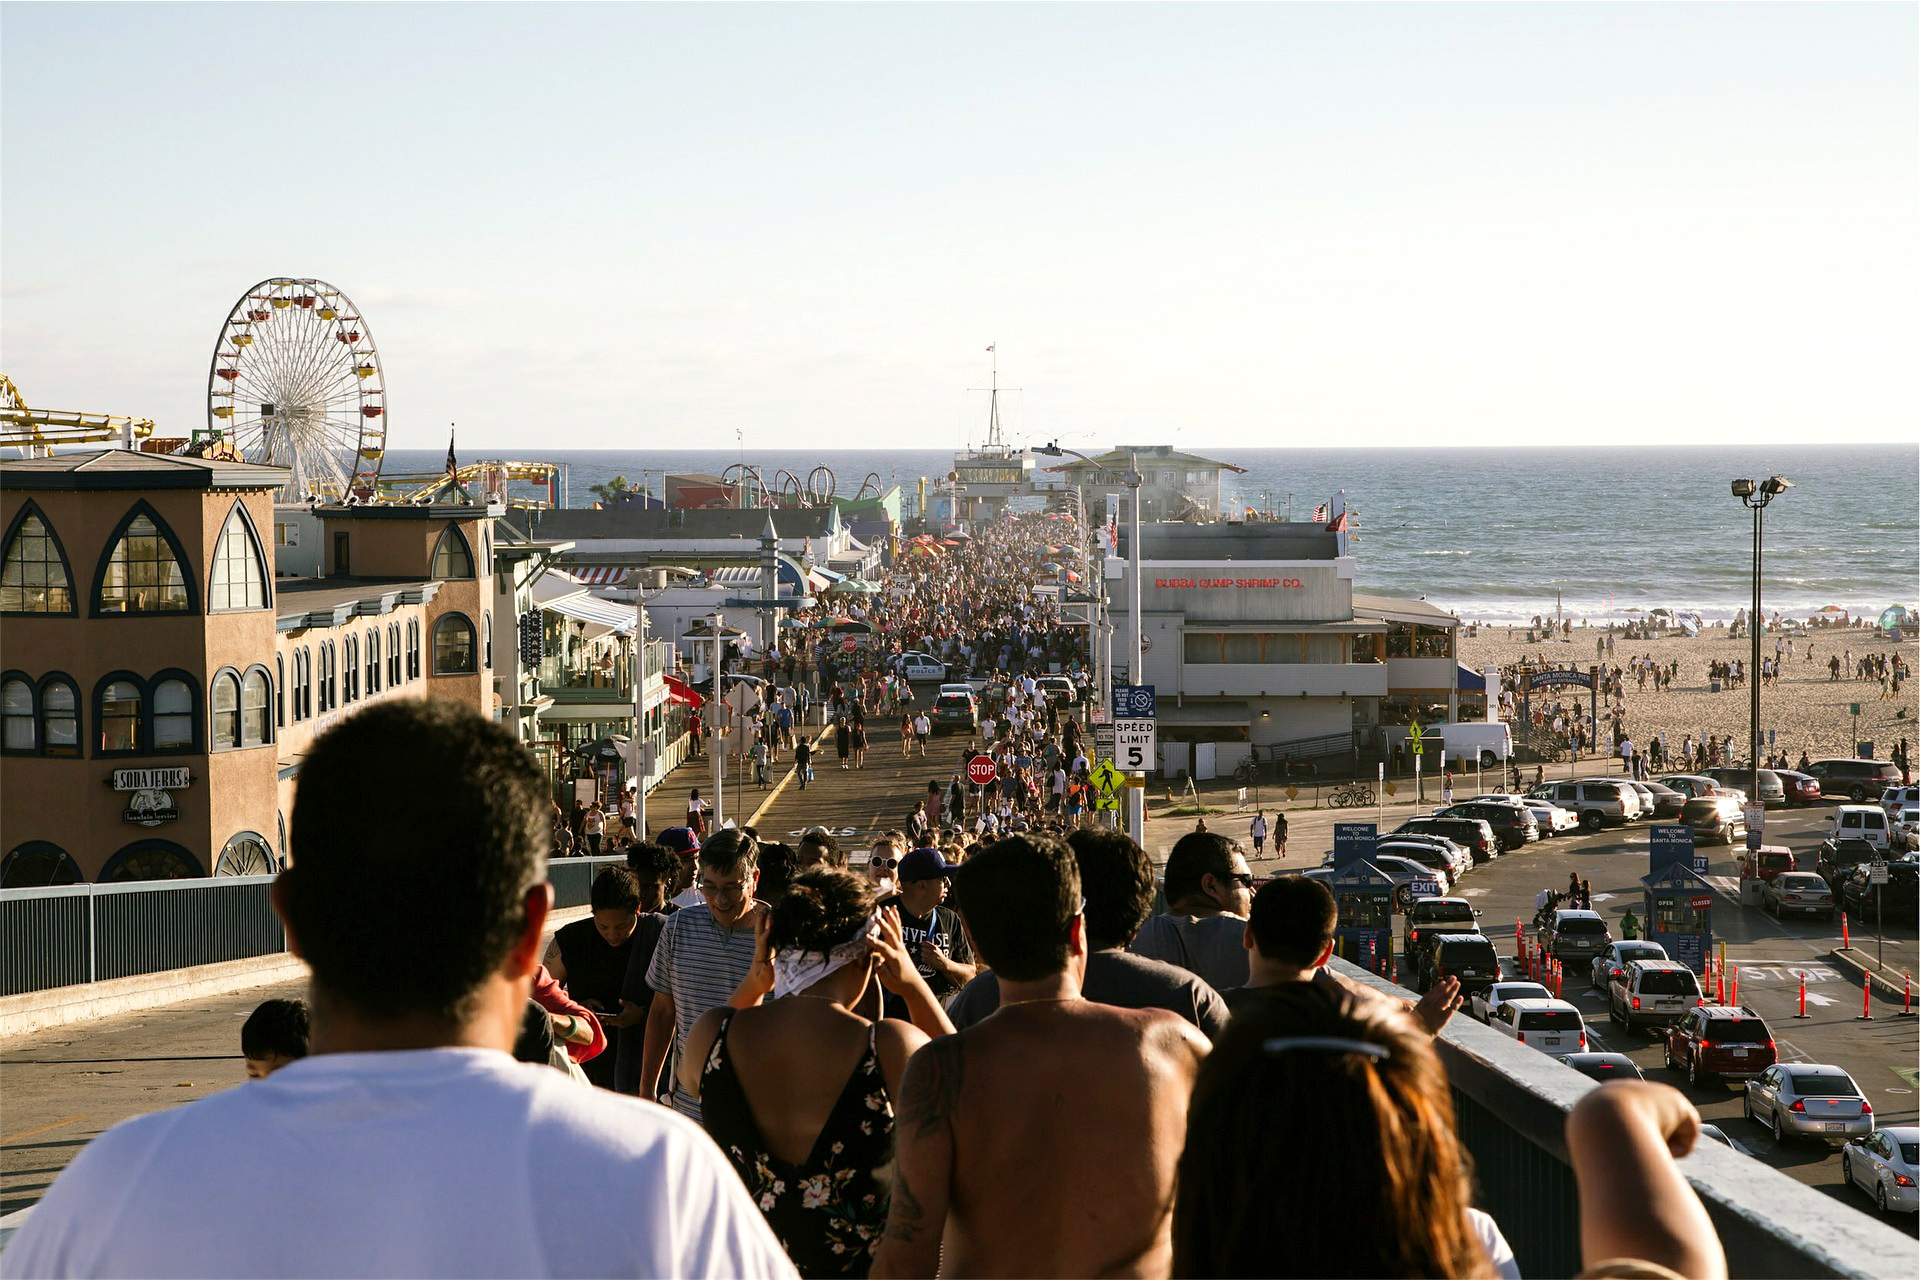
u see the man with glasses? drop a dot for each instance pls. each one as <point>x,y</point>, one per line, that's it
<point>1042,1141</point>
<point>1209,894</point>
<point>703,953</point>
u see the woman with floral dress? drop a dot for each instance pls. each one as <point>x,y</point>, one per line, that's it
<point>799,1091</point>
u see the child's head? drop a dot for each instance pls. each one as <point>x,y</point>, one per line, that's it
<point>274,1034</point>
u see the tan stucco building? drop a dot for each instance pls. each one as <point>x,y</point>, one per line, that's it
<point>159,683</point>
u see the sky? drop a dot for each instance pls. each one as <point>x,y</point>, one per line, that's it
<point>800,225</point>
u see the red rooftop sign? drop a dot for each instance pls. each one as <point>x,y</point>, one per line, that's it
<point>1287,583</point>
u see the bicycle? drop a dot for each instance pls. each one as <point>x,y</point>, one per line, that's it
<point>1354,794</point>
<point>1246,771</point>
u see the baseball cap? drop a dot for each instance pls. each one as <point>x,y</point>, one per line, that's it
<point>680,840</point>
<point>925,864</point>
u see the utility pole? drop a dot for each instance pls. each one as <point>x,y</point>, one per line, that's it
<point>1136,672</point>
<point>642,740</point>
<point>718,721</point>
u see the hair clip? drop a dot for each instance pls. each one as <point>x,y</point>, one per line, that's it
<point>1330,1044</point>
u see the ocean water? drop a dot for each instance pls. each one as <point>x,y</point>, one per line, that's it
<point>1498,535</point>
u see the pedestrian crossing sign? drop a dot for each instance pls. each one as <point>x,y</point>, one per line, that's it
<point>1108,782</point>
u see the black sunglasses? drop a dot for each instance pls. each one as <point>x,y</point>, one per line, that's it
<point>1245,878</point>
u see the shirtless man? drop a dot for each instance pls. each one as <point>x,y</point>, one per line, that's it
<point>1043,1140</point>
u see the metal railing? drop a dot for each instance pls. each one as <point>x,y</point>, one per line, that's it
<point>72,934</point>
<point>1511,1103</point>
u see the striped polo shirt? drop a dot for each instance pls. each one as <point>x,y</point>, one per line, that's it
<point>698,964</point>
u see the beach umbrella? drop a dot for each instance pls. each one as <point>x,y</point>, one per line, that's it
<point>612,747</point>
<point>1832,608</point>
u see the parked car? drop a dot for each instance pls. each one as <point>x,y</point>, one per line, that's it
<point>1835,856</point>
<point>1404,872</point>
<point>1714,1133</point>
<point>1812,1100</point>
<point>1884,1164</point>
<point>1612,962</point>
<point>1061,690</point>
<point>1802,788</point>
<point>1551,1026</point>
<point>1861,822</point>
<point>1435,852</point>
<point>1604,1066</point>
<point>1575,935</point>
<point>1773,792</point>
<point>1471,834</point>
<point>1720,1042</point>
<point>1468,957</point>
<point>1514,825</point>
<point>1666,801</point>
<point>1649,803</point>
<point>1860,898</point>
<point>1795,891</point>
<point>1549,818</point>
<point>1715,818</point>
<point>956,711</point>
<point>1766,862</point>
<point>1692,785</point>
<point>1483,1005</point>
<point>1652,993</point>
<point>1857,780</point>
<point>1600,803</point>
<point>1902,807</point>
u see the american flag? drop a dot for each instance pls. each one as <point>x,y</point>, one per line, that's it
<point>1320,514</point>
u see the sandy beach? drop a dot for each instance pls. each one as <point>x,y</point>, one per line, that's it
<point>1808,710</point>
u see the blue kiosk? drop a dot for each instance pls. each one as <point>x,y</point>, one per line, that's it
<point>1364,897</point>
<point>1679,901</point>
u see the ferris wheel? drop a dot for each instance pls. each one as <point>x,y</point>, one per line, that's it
<point>296,383</point>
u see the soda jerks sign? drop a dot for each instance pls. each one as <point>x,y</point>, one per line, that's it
<point>1292,584</point>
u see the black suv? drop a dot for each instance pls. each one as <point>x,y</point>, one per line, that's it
<point>1470,957</point>
<point>1900,894</point>
<point>1855,779</point>
<point>1471,834</point>
<point>1836,856</point>
<point>1513,824</point>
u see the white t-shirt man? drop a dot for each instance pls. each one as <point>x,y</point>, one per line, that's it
<point>430,1162</point>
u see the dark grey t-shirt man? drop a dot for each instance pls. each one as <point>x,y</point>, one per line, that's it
<point>1210,891</point>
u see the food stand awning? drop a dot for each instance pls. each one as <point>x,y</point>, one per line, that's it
<point>616,618</point>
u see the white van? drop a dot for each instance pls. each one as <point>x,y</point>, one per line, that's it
<point>1860,822</point>
<point>1471,741</point>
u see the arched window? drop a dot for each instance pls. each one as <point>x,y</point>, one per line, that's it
<point>327,688</point>
<point>226,711</point>
<point>239,579</point>
<point>34,578</point>
<point>280,691</point>
<point>144,570</point>
<point>256,701</point>
<point>38,865</point>
<point>452,557</point>
<point>150,860</point>
<point>303,694</point>
<point>393,654</point>
<point>173,714</point>
<point>453,645</point>
<point>373,660</point>
<point>486,638</point>
<point>413,649</point>
<point>59,716</point>
<point>120,710</point>
<point>19,718</point>
<point>349,668</point>
<point>246,854</point>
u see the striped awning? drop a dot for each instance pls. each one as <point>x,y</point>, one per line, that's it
<point>598,575</point>
<point>617,618</point>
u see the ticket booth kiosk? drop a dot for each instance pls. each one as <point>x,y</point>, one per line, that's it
<point>1363,933</point>
<point>1679,901</point>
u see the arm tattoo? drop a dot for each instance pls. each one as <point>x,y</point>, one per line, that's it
<point>930,1104</point>
<point>904,1219</point>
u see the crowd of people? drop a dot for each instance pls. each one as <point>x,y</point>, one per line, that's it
<point>1003,1063</point>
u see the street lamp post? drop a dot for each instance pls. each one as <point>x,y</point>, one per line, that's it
<point>1755,498</point>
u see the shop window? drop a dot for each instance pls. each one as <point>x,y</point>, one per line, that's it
<point>239,579</point>
<point>246,854</point>
<point>226,711</point>
<point>144,571</point>
<point>280,691</point>
<point>34,578</point>
<point>173,707</point>
<point>59,716</point>
<point>19,718</point>
<point>150,860</point>
<point>120,713</point>
<point>453,646</point>
<point>256,700</point>
<point>452,557</point>
<point>38,865</point>
<point>413,649</point>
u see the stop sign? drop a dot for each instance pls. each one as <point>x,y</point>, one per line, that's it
<point>980,771</point>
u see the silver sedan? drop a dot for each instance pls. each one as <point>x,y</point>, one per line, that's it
<point>1815,1101</point>
<point>1883,1164</point>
